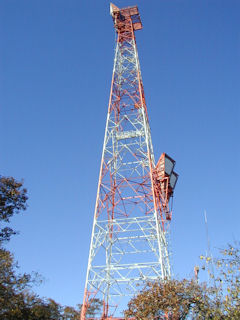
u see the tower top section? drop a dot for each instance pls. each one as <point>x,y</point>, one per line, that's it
<point>125,15</point>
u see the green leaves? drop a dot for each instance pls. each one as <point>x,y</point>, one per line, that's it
<point>13,198</point>
<point>186,299</point>
<point>170,297</point>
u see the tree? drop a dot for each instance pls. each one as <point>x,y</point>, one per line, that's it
<point>13,288</point>
<point>186,298</point>
<point>229,268</point>
<point>13,198</point>
<point>94,307</point>
<point>70,313</point>
<point>42,309</point>
<point>173,298</point>
<point>226,278</point>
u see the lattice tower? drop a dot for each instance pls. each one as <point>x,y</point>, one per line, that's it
<point>129,236</point>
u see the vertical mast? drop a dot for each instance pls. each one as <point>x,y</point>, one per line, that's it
<point>128,244</point>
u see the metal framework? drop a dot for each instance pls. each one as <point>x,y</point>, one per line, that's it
<point>129,236</point>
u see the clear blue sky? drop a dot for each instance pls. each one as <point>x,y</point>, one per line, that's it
<point>56,59</point>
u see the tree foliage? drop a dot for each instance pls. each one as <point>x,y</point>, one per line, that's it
<point>174,298</point>
<point>11,283</point>
<point>229,269</point>
<point>188,299</point>
<point>70,313</point>
<point>13,198</point>
<point>94,307</point>
<point>18,302</point>
<point>225,276</point>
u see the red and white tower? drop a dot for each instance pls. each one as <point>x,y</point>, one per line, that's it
<point>129,237</point>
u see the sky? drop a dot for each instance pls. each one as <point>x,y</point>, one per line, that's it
<point>56,59</point>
